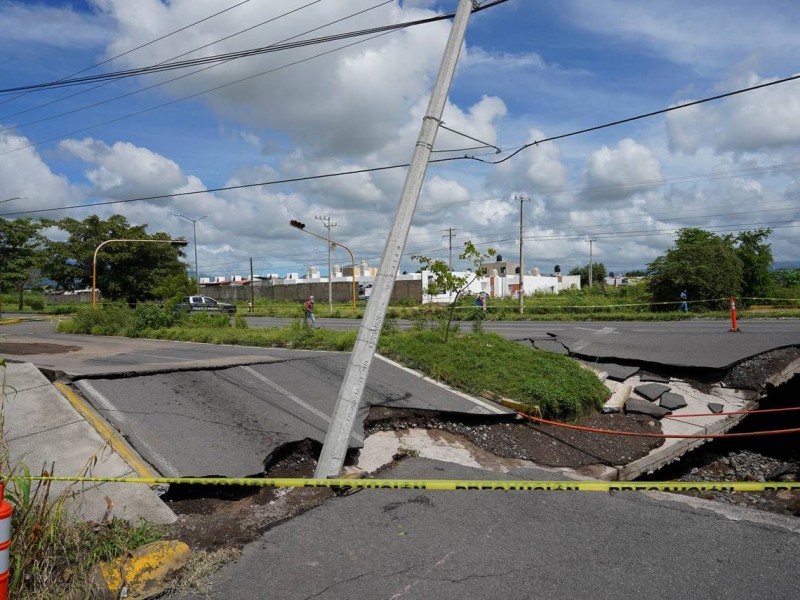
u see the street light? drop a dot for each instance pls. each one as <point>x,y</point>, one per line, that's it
<point>194,232</point>
<point>94,260</point>
<point>302,227</point>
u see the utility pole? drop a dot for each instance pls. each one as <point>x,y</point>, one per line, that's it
<point>591,241</point>
<point>194,232</point>
<point>326,221</point>
<point>522,200</point>
<point>334,449</point>
<point>252,282</point>
<point>450,233</point>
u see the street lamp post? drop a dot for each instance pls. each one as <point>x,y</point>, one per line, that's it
<point>94,259</point>
<point>194,234</point>
<point>302,227</point>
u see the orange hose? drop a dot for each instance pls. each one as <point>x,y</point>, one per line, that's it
<point>659,435</point>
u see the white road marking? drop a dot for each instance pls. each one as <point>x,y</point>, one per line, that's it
<point>299,401</point>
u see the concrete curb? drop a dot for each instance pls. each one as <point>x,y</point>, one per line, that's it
<point>44,431</point>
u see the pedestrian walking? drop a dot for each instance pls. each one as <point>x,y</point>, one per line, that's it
<point>249,306</point>
<point>309,320</point>
<point>684,307</point>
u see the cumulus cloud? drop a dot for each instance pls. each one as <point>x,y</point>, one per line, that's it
<point>26,176</point>
<point>123,170</point>
<point>761,120</point>
<point>614,174</point>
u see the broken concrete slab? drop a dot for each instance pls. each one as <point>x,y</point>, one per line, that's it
<point>653,377</point>
<point>619,396</point>
<point>618,372</point>
<point>651,391</point>
<point>672,401</point>
<point>638,406</point>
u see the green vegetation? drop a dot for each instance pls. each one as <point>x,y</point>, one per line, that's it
<point>53,556</point>
<point>553,384</point>
<point>709,266</point>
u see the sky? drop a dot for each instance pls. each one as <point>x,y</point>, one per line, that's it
<point>529,70</point>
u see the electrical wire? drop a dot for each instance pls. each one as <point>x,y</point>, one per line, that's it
<point>108,60</point>
<point>643,116</point>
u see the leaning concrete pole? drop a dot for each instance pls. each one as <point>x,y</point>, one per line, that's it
<point>355,379</point>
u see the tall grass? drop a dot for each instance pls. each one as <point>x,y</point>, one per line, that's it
<point>52,555</point>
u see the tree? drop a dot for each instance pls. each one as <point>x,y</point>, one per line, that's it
<point>444,281</point>
<point>125,270</point>
<point>20,254</point>
<point>598,273</point>
<point>702,263</point>
<point>756,258</point>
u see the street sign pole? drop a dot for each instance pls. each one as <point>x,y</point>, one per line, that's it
<point>334,449</point>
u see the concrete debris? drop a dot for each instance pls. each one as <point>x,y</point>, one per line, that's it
<point>651,391</point>
<point>672,401</point>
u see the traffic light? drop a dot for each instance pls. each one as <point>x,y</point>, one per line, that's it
<point>297,224</point>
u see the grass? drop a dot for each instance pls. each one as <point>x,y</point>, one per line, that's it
<point>554,385</point>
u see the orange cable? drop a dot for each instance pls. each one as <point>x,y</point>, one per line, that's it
<point>660,435</point>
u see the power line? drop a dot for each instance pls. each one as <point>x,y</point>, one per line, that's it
<point>641,116</point>
<point>158,39</point>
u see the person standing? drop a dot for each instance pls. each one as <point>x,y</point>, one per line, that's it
<point>684,307</point>
<point>308,309</point>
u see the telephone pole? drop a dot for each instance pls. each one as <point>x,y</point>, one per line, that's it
<point>355,378</point>
<point>450,233</point>
<point>591,241</point>
<point>326,221</point>
<point>522,200</point>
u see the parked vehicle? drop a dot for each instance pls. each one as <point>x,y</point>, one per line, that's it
<point>364,291</point>
<point>205,303</point>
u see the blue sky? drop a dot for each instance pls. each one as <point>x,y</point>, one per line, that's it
<point>529,70</point>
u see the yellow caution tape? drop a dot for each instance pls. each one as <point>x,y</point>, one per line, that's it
<point>447,484</point>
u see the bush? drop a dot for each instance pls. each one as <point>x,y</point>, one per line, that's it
<point>35,302</point>
<point>151,316</point>
<point>109,319</point>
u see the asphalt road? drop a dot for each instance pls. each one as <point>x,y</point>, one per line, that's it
<point>692,343</point>
<point>414,544</point>
<point>203,409</point>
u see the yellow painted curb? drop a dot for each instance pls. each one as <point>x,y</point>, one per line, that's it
<point>507,402</point>
<point>107,433</point>
<point>144,572</point>
<point>10,321</point>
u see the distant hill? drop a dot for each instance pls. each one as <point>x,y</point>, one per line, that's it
<point>786,264</point>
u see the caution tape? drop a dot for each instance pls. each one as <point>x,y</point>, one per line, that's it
<point>444,484</point>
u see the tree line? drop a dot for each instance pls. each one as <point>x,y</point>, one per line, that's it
<point>709,266</point>
<point>63,251</point>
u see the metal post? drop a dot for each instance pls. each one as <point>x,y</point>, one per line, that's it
<point>194,232</point>
<point>591,242</point>
<point>336,441</point>
<point>252,289</point>
<point>326,221</point>
<point>302,227</point>
<point>521,199</point>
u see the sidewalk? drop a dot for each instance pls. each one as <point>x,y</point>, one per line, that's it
<point>43,427</point>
